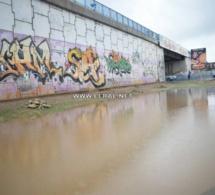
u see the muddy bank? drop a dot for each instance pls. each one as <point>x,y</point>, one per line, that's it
<point>11,110</point>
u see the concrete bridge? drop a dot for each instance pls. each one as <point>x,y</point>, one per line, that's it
<point>52,46</point>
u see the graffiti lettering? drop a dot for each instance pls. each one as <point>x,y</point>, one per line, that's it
<point>117,63</point>
<point>19,57</point>
<point>83,66</point>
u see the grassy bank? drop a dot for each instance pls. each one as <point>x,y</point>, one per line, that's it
<point>13,110</point>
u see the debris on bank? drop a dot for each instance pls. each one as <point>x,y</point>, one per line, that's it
<point>37,103</point>
<point>162,86</point>
<point>135,91</point>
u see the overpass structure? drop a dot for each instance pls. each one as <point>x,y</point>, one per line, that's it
<point>51,46</point>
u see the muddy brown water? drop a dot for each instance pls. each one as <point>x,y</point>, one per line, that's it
<point>155,144</point>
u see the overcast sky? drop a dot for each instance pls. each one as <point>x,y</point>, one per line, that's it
<point>190,23</point>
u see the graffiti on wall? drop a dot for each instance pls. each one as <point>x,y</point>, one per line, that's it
<point>84,66</point>
<point>118,64</point>
<point>136,58</point>
<point>149,66</point>
<point>150,69</point>
<point>30,67</point>
<point>161,65</point>
<point>19,58</point>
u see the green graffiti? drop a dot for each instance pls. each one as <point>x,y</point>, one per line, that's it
<point>120,67</point>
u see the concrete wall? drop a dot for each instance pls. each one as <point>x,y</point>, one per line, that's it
<point>161,65</point>
<point>46,49</point>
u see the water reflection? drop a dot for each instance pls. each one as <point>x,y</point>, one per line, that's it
<point>173,100</point>
<point>117,147</point>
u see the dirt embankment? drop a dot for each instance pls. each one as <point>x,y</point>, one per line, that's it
<point>17,109</point>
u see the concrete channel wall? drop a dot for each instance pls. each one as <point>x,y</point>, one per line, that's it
<point>51,46</point>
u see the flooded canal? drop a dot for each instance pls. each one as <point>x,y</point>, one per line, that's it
<point>155,144</point>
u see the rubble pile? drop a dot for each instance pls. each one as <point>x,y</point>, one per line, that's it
<point>37,103</point>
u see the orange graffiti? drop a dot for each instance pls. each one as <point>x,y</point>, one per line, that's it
<point>18,57</point>
<point>83,66</point>
<point>116,57</point>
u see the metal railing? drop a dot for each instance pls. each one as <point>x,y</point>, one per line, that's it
<point>108,12</point>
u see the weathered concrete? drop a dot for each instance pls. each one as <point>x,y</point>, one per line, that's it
<point>80,10</point>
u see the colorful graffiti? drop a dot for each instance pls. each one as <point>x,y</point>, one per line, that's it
<point>84,66</point>
<point>118,64</point>
<point>18,58</point>
<point>33,68</point>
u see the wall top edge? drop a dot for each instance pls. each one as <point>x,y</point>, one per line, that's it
<point>80,10</point>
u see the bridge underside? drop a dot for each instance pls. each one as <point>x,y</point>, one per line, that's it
<point>170,56</point>
<point>174,62</point>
